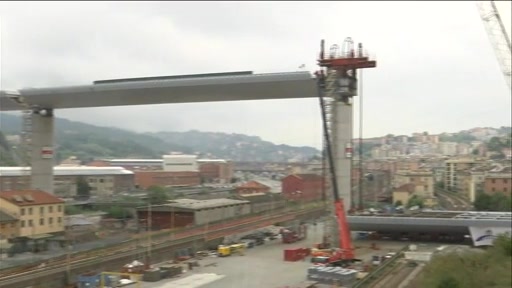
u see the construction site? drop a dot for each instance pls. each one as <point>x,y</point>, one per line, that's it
<point>311,247</point>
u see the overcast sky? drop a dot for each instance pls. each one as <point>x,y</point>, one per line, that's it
<point>436,68</point>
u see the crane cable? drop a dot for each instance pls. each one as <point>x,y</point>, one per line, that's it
<point>320,84</point>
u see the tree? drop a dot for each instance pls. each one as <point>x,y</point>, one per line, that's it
<point>118,212</point>
<point>482,202</point>
<point>157,195</point>
<point>83,189</point>
<point>415,201</point>
<point>503,245</point>
<point>398,203</point>
<point>495,202</point>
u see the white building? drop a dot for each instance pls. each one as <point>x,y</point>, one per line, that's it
<point>102,180</point>
<point>180,163</point>
<point>448,148</point>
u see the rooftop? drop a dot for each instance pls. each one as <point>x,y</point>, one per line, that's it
<point>68,171</point>
<point>30,197</point>
<point>203,204</point>
<point>252,184</point>
<point>308,176</point>
<point>409,187</point>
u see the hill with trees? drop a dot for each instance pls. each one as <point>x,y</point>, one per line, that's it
<point>87,142</point>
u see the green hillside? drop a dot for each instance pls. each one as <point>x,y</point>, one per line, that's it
<point>87,142</point>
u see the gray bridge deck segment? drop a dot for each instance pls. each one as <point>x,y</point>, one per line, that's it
<point>439,221</point>
<point>143,91</point>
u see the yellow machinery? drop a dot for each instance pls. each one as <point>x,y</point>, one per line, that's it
<point>227,250</point>
<point>237,248</point>
<point>133,277</point>
<point>224,251</point>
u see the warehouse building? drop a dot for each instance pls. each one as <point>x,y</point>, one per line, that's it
<point>102,180</point>
<point>185,170</point>
<point>187,212</point>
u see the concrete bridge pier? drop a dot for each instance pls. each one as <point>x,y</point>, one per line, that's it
<point>42,158</point>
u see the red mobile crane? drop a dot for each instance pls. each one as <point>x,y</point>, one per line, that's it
<point>341,70</point>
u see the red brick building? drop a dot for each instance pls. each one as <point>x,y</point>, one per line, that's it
<point>302,187</point>
<point>215,171</point>
<point>252,187</point>
<point>145,179</point>
<point>498,183</point>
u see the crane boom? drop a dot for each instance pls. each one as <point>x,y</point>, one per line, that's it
<point>498,36</point>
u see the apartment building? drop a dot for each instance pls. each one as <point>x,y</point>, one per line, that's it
<point>422,179</point>
<point>452,167</point>
<point>40,214</point>
<point>476,182</point>
<point>403,193</point>
<point>499,182</point>
<point>448,148</point>
<point>407,164</point>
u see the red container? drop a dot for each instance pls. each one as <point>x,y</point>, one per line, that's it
<point>292,255</point>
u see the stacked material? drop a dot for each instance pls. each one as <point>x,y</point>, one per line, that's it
<point>333,275</point>
<point>171,270</point>
<point>152,275</point>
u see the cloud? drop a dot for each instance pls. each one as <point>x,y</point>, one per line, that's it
<point>436,68</point>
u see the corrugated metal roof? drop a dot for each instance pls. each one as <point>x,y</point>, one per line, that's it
<point>202,204</point>
<point>68,171</point>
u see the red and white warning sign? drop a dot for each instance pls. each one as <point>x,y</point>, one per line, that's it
<point>47,152</point>
<point>348,150</point>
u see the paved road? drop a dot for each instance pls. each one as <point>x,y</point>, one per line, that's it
<point>263,266</point>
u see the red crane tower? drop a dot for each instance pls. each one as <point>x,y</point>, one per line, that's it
<point>337,85</point>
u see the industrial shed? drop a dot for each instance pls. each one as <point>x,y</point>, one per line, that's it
<point>186,212</point>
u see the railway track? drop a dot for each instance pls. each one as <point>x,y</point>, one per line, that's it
<point>457,202</point>
<point>129,244</point>
<point>133,247</point>
<point>395,276</point>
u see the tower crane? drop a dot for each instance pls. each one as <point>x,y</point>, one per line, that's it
<point>497,35</point>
